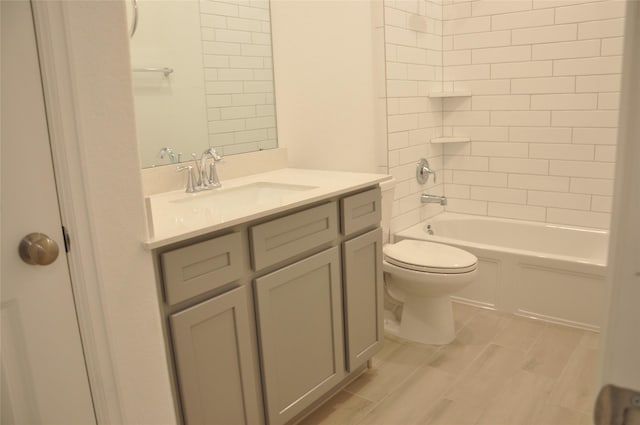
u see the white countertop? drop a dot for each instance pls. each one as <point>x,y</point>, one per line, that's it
<point>176,216</point>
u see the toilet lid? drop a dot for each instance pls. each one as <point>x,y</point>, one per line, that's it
<point>429,257</point>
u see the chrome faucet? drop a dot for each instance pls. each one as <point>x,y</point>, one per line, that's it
<point>212,181</point>
<point>433,199</point>
<point>169,152</point>
<point>191,178</point>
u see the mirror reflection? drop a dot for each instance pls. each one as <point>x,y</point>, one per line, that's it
<point>202,77</point>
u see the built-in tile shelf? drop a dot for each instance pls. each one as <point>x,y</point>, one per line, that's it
<point>449,94</point>
<point>450,140</point>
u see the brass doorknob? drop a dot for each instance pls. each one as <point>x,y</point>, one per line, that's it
<point>38,249</point>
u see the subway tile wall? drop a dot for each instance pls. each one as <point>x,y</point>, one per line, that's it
<point>236,44</point>
<point>413,43</point>
<point>544,78</point>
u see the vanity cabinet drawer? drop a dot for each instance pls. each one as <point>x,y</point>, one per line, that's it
<point>293,235</point>
<point>361,211</point>
<point>201,267</point>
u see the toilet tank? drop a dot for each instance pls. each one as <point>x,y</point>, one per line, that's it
<point>387,187</point>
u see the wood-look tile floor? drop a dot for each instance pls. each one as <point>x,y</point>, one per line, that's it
<point>500,370</point>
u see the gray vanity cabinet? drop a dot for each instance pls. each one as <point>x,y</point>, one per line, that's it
<point>301,333</point>
<point>363,300</point>
<point>215,368</point>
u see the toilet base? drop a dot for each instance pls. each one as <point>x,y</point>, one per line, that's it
<point>428,320</point>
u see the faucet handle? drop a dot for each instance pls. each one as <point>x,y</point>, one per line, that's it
<point>191,186</point>
<point>423,170</point>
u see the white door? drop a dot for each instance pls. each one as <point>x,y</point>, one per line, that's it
<point>44,378</point>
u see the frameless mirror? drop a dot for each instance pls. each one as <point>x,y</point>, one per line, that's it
<point>202,77</point>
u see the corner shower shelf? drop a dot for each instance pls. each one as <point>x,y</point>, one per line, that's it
<point>450,140</point>
<point>450,94</point>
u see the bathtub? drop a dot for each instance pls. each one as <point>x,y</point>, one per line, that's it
<point>549,272</point>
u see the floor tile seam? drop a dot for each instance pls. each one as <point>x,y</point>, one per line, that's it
<point>459,377</point>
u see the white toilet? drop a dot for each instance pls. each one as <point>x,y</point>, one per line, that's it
<point>420,276</point>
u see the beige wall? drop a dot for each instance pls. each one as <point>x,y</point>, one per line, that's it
<point>329,69</point>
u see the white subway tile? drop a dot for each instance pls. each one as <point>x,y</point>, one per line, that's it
<point>566,50</point>
<point>592,186</point>
<point>419,23</point>
<point>456,57</point>
<point>518,212</point>
<point>429,41</point>
<point>561,151</point>
<point>421,136</point>
<point>261,38</point>
<point>501,103</point>
<point>578,218</point>
<point>490,134</point>
<point>601,203</point>
<point>590,11</point>
<point>396,71</point>
<point>601,29</point>
<point>233,36</point>
<point>410,55</point>
<point>429,119</point>
<point>258,87</point>
<point>598,83</point>
<point>536,182</point>
<point>395,17</point>
<point>467,72</point>
<point>456,104</point>
<point>213,21</point>
<point>219,100</point>
<point>468,163</point>
<point>260,122</point>
<point>213,114</point>
<point>595,136</point>
<point>256,50</point>
<point>547,34</point>
<point>559,200</point>
<point>495,194</point>
<point>420,72</point>
<point>456,149</point>
<point>521,118</point>
<point>219,48</point>
<point>588,66</point>
<point>456,11</point>
<point>609,101</point>
<point>612,46</point>
<point>401,88</point>
<point>497,149</point>
<point>407,105</point>
<point>216,61</point>
<point>467,206</point>
<point>466,25</point>
<point>599,170</point>
<point>237,112</point>
<point>534,18</point>
<point>540,134</point>
<point>482,39</point>
<point>402,122</point>
<point>480,87</point>
<point>564,101</point>
<point>519,166</point>
<point>398,140</point>
<point>263,110</point>
<point>584,118</point>
<point>522,69</point>
<point>246,62</point>
<point>502,54</point>
<point>543,85</point>
<point>542,4</point>
<point>223,87</point>
<point>263,75</point>
<point>233,74</point>
<point>471,118</point>
<point>244,24</point>
<point>254,13</point>
<point>226,126</point>
<point>460,191</point>
<point>400,36</point>
<point>493,7</point>
<point>480,178</point>
<point>605,153</point>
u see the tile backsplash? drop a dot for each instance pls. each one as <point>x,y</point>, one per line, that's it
<point>544,79</point>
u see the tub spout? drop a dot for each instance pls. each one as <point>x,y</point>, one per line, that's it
<point>433,199</point>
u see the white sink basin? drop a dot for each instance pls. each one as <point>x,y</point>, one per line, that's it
<point>253,194</point>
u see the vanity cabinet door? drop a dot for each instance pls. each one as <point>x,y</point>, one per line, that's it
<point>216,371</point>
<point>363,297</point>
<point>301,333</point>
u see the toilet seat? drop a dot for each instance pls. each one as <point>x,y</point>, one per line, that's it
<point>429,257</point>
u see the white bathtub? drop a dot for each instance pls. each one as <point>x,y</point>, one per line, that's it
<point>549,272</point>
